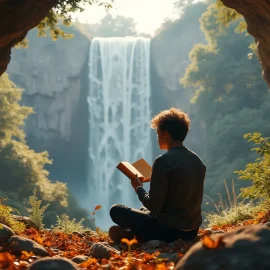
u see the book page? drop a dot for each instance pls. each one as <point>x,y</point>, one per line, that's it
<point>128,169</point>
<point>144,168</point>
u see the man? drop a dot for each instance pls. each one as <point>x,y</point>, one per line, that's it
<point>173,204</point>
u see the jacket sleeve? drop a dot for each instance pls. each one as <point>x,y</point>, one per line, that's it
<point>159,183</point>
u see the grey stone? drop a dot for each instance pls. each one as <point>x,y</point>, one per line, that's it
<point>218,231</point>
<point>5,233</point>
<point>26,221</point>
<point>101,251</point>
<point>153,244</point>
<point>90,232</point>
<point>243,248</point>
<point>53,264</point>
<point>17,244</point>
<point>80,258</point>
<point>171,256</point>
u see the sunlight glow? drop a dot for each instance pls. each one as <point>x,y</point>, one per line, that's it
<point>148,14</point>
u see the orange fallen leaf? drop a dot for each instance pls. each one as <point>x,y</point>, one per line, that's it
<point>26,255</point>
<point>208,242</point>
<point>261,215</point>
<point>6,260</point>
<point>88,263</point>
<point>161,267</point>
<point>98,207</point>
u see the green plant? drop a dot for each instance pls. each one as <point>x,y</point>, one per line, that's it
<point>129,244</point>
<point>67,225</point>
<point>62,12</point>
<point>36,211</point>
<point>232,212</point>
<point>7,219</point>
<point>92,217</point>
<point>257,172</point>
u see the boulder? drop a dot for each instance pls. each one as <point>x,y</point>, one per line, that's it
<point>243,248</point>
<point>5,233</point>
<point>101,251</point>
<point>153,244</point>
<point>16,244</point>
<point>53,264</point>
<point>171,256</point>
<point>26,221</point>
<point>79,259</point>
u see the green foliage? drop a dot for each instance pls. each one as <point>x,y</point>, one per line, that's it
<point>63,12</point>
<point>231,99</point>
<point>258,172</point>
<point>225,16</point>
<point>12,115</point>
<point>232,212</point>
<point>109,26</point>
<point>36,211</point>
<point>233,215</point>
<point>20,165</point>
<point>22,169</point>
<point>6,218</point>
<point>67,225</point>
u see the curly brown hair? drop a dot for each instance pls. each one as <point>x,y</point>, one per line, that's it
<point>174,121</point>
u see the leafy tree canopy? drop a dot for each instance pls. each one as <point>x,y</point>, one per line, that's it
<point>109,26</point>
<point>231,98</point>
<point>63,12</point>
<point>21,168</point>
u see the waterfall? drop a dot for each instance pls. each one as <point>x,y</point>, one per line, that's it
<point>119,118</point>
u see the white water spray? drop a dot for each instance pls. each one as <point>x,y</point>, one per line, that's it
<point>119,117</point>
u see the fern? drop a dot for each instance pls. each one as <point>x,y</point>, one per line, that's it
<point>37,211</point>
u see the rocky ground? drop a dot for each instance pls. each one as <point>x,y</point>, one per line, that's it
<point>243,246</point>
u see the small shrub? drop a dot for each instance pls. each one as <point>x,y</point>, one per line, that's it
<point>257,172</point>
<point>36,211</point>
<point>66,225</point>
<point>92,217</point>
<point>233,215</point>
<point>234,211</point>
<point>7,219</point>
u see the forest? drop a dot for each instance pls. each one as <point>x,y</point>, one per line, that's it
<point>229,108</point>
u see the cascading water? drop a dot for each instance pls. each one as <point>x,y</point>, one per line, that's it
<point>119,117</point>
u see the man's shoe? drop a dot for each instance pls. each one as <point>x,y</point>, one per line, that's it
<point>117,233</point>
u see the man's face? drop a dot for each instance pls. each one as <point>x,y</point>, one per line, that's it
<point>162,137</point>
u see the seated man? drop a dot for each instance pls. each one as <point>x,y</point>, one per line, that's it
<point>173,204</point>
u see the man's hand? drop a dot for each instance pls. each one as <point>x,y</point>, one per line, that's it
<point>136,183</point>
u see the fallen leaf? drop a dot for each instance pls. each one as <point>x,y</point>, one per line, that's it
<point>98,207</point>
<point>208,242</point>
<point>6,260</point>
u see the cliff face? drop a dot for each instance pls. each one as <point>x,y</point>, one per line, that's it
<point>54,76</point>
<point>169,59</point>
<point>50,74</point>
<point>170,50</point>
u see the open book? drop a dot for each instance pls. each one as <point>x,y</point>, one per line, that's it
<point>140,167</point>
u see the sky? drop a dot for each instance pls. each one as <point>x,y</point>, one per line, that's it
<point>148,14</point>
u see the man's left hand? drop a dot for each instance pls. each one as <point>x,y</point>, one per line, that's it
<point>136,183</point>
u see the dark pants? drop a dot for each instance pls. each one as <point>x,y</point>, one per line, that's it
<point>145,226</point>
